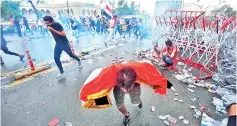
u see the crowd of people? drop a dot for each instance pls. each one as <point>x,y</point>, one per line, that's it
<point>106,26</point>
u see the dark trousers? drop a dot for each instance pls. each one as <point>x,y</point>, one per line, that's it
<point>28,29</point>
<point>167,60</point>
<point>19,32</point>
<point>117,30</point>
<point>129,32</point>
<point>5,50</point>
<point>59,48</point>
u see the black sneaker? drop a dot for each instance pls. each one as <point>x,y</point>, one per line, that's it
<point>2,63</point>
<point>21,57</point>
<point>140,105</point>
<point>79,64</point>
<point>126,120</point>
<point>106,44</point>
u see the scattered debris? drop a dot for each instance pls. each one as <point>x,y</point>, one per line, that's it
<point>67,124</point>
<point>164,117</point>
<point>191,90</point>
<point>181,117</point>
<point>176,94</point>
<point>181,100</point>
<point>172,120</point>
<point>50,85</point>
<point>173,89</point>
<point>220,109</point>
<point>192,106</point>
<point>197,113</point>
<point>179,77</point>
<point>74,80</point>
<point>202,107</point>
<point>185,121</point>
<point>166,123</point>
<point>175,99</point>
<point>217,102</point>
<point>191,86</point>
<point>194,99</point>
<point>208,121</point>
<point>152,109</point>
<point>54,122</point>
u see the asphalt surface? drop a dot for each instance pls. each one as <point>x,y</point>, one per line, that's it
<point>36,102</point>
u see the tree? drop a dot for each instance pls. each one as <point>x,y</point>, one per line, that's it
<point>224,10</point>
<point>120,3</point>
<point>124,9</point>
<point>35,10</point>
<point>133,6</point>
<point>10,8</point>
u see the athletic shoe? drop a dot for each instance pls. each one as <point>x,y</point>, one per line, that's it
<point>126,120</point>
<point>140,105</point>
<point>21,57</point>
<point>79,64</point>
<point>60,75</point>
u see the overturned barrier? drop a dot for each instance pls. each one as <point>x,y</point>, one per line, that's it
<point>198,38</point>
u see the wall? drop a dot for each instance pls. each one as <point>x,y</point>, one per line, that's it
<point>76,9</point>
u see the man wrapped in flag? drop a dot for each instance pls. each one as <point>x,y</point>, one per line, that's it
<point>124,79</point>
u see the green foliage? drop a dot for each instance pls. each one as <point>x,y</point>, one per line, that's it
<point>224,10</point>
<point>10,8</point>
<point>124,9</point>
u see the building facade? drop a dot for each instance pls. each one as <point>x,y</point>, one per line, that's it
<point>74,9</point>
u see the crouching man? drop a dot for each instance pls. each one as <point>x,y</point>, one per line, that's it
<point>170,55</point>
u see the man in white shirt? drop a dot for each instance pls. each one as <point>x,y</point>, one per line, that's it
<point>111,30</point>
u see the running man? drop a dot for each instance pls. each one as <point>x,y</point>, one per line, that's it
<point>62,43</point>
<point>4,48</point>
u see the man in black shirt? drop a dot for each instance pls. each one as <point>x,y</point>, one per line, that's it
<point>62,43</point>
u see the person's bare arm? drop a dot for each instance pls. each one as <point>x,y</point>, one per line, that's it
<point>173,52</point>
<point>62,33</point>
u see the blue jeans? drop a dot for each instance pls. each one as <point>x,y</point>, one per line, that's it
<point>59,48</point>
<point>167,60</point>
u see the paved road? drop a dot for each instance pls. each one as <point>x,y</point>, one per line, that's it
<point>36,102</point>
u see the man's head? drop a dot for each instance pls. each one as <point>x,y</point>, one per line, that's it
<point>48,20</point>
<point>168,43</point>
<point>126,77</point>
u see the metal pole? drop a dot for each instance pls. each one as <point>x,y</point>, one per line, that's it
<point>67,9</point>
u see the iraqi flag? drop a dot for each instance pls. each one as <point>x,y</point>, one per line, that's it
<point>96,89</point>
<point>107,11</point>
